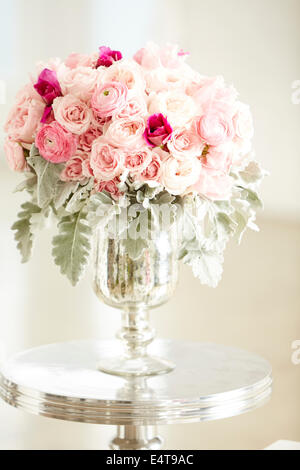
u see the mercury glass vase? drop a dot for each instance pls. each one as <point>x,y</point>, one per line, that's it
<point>135,287</point>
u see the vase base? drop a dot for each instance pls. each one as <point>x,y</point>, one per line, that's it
<point>135,367</point>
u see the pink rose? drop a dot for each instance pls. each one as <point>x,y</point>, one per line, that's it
<point>136,162</point>
<point>218,158</point>
<point>106,161</point>
<point>153,170</point>
<point>178,175</point>
<point>214,184</point>
<point>74,169</point>
<point>107,57</point>
<point>185,143</point>
<point>55,144</point>
<point>158,130</point>
<point>85,140</point>
<point>76,60</point>
<point>79,82</point>
<point>73,114</point>
<point>152,56</point>
<point>109,186</point>
<point>25,116</point>
<point>86,168</point>
<point>109,99</point>
<point>128,73</point>
<point>126,133</point>
<point>135,107</point>
<point>214,128</point>
<point>15,155</point>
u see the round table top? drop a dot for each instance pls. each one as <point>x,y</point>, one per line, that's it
<point>209,382</point>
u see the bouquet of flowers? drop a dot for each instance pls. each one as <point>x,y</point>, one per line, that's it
<point>99,135</point>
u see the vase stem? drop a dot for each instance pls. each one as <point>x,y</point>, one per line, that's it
<point>136,333</point>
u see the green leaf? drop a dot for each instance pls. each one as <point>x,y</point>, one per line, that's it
<point>79,198</point>
<point>24,233</point>
<point>135,247</point>
<point>63,191</point>
<point>253,173</point>
<point>71,247</point>
<point>48,176</point>
<point>29,183</point>
<point>251,197</point>
<point>207,265</point>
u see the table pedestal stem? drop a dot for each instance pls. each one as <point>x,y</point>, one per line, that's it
<point>136,438</point>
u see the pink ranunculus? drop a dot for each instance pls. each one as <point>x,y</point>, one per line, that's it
<point>153,170</point>
<point>126,133</point>
<point>74,169</point>
<point>136,162</point>
<point>158,130</point>
<point>109,186</point>
<point>106,161</point>
<point>79,81</point>
<point>55,144</point>
<point>85,140</point>
<point>48,86</point>
<point>178,175</point>
<point>81,60</point>
<point>214,184</point>
<point>214,128</point>
<point>109,99</point>
<point>15,155</point>
<point>25,116</point>
<point>184,143</point>
<point>107,57</point>
<point>72,113</point>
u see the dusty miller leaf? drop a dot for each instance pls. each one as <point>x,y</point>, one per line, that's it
<point>63,191</point>
<point>71,247</point>
<point>22,226</point>
<point>48,175</point>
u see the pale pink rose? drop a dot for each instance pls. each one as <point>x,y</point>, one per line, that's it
<point>214,128</point>
<point>210,94</point>
<point>55,144</point>
<point>106,161</point>
<point>74,169</point>
<point>72,113</point>
<point>79,82</point>
<point>243,122</point>
<point>148,57</point>
<point>109,186</point>
<point>109,99</point>
<point>218,158</point>
<point>98,121</point>
<point>153,170</point>
<point>135,107</point>
<point>152,56</point>
<point>214,184</point>
<point>136,162</point>
<point>84,143</point>
<point>126,72</point>
<point>126,133</point>
<point>176,105</point>
<point>185,143</point>
<point>81,60</point>
<point>178,175</point>
<point>162,79</point>
<point>14,155</point>
<point>25,116</point>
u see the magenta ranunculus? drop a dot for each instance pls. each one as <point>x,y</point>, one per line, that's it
<point>107,57</point>
<point>48,86</point>
<point>158,130</point>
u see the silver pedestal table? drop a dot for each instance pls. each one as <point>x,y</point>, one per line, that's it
<point>209,382</point>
